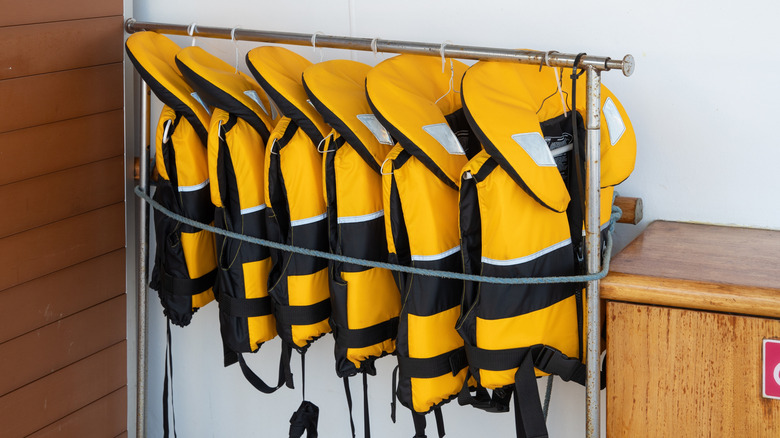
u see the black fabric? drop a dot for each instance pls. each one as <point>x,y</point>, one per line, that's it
<point>302,315</point>
<point>169,98</point>
<point>366,422</point>
<point>366,337</point>
<point>245,307</point>
<point>186,286</point>
<point>529,417</point>
<point>357,244</point>
<point>216,97</point>
<point>285,377</point>
<point>336,123</point>
<point>466,137</point>
<point>348,393</point>
<point>393,393</point>
<point>419,425</point>
<point>450,362</point>
<point>305,420</point>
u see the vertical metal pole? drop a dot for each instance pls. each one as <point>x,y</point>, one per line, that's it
<point>592,246</point>
<point>143,251</point>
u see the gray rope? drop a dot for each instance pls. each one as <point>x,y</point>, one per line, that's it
<point>616,213</point>
<point>547,394</point>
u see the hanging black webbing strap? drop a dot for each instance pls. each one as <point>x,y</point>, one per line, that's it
<point>348,393</point>
<point>529,418</point>
<point>166,380</point>
<point>366,423</point>
<point>285,376</point>
<point>420,423</point>
<point>306,417</point>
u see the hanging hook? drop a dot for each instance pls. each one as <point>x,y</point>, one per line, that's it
<point>441,52</point>
<point>373,46</point>
<point>219,131</point>
<point>272,147</point>
<point>382,168</point>
<point>191,29</point>
<point>314,43</point>
<point>168,124</point>
<point>235,44</point>
<point>557,80</point>
<point>319,145</point>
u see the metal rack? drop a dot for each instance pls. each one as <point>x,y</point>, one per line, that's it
<point>593,66</point>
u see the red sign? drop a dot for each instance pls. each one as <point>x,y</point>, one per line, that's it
<point>771,371</point>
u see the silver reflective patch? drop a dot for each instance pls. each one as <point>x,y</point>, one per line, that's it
<point>615,124</point>
<point>253,95</point>
<point>442,133</point>
<point>201,102</point>
<point>534,145</point>
<point>376,128</point>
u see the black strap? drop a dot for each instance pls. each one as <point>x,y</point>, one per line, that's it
<point>348,393</point>
<point>302,315</point>
<point>393,393</point>
<point>529,419</point>
<point>450,362</point>
<point>366,337</point>
<point>168,372</point>
<point>366,422</point>
<point>439,421</point>
<point>284,374</point>
<point>244,307</point>
<point>186,286</point>
<point>305,420</point>
<point>419,424</point>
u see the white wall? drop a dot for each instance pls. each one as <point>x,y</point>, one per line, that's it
<point>702,115</point>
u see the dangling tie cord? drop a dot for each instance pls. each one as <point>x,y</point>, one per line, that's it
<point>235,44</point>
<point>557,80</point>
<point>314,43</point>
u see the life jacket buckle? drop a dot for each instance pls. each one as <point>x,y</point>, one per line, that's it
<point>543,356</point>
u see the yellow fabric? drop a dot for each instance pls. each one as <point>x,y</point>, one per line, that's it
<point>430,209</point>
<point>434,335</point>
<point>201,259</point>
<point>166,115</point>
<point>552,325</point>
<point>156,54</point>
<point>309,289</point>
<point>302,171</point>
<point>223,76</point>
<point>340,85</point>
<point>358,187</point>
<point>404,91</point>
<point>261,328</point>
<point>366,309</point>
<point>532,228</point>
<point>246,155</point>
<point>282,70</point>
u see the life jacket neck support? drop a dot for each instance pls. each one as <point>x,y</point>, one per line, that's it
<point>153,56</point>
<point>279,70</point>
<point>420,105</point>
<point>221,86</point>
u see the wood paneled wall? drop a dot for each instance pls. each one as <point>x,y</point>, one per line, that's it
<point>63,352</point>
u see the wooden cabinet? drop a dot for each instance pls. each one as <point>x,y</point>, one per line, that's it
<point>687,309</point>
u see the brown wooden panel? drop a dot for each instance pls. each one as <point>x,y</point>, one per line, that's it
<point>59,394</point>
<point>39,150</point>
<point>49,198</point>
<point>49,47</point>
<point>33,304</point>
<point>59,344</point>
<point>674,372</point>
<point>122,435</point>
<point>36,100</point>
<point>46,249</point>
<point>40,11</point>
<point>709,253</point>
<point>103,418</point>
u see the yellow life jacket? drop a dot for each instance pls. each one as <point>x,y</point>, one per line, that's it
<point>420,106</point>
<point>516,221</point>
<point>365,301</point>
<point>239,129</point>
<point>293,191</point>
<point>184,268</point>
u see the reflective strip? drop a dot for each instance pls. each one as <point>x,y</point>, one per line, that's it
<point>194,188</point>
<point>310,220</point>
<point>430,258</point>
<point>442,133</point>
<point>376,128</point>
<point>253,209</point>
<point>361,218</point>
<point>201,102</point>
<point>253,95</point>
<point>534,145</point>
<point>528,258</point>
<point>615,124</point>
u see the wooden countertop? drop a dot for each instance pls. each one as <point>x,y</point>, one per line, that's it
<point>707,267</point>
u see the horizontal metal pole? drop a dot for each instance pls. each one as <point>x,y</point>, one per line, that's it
<point>552,58</point>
